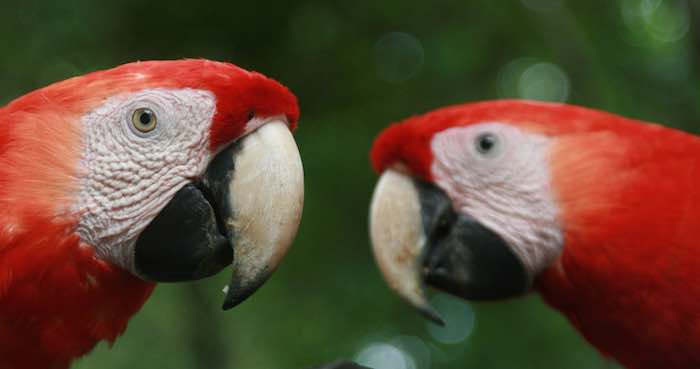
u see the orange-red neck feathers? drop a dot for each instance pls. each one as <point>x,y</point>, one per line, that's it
<point>628,276</point>
<point>56,299</point>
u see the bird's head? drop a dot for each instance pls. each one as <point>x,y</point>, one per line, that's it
<point>171,170</point>
<point>479,199</point>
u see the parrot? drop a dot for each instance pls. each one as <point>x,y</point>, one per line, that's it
<point>113,181</point>
<point>596,213</point>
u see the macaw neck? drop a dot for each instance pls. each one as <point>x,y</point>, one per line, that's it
<point>57,300</point>
<point>628,276</point>
<point>640,319</point>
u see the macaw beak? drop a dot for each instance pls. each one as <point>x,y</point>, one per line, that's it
<point>244,212</point>
<point>418,239</point>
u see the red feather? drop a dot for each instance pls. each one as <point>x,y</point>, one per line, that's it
<point>56,299</point>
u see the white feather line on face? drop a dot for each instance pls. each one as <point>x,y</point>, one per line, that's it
<point>129,179</point>
<point>509,193</point>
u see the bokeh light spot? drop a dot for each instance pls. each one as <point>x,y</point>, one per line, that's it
<point>509,76</point>
<point>529,78</point>
<point>544,81</point>
<point>380,355</point>
<point>416,347</point>
<point>459,319</point>
<point>398,56</point>
<point>662,21</point>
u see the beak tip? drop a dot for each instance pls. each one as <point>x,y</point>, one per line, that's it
<point>234,299</point>
<point>228,305</point>
<point>237,292</point>
<point>433,316</point>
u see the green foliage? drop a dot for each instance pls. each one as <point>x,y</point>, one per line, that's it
<point>353,75</point>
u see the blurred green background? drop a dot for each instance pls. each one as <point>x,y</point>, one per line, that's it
<point>356,66</point>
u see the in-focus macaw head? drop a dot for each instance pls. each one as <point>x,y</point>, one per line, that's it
<point>171,170</point>
<point>486,200</point>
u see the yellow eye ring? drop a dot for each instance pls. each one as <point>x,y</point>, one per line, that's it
<point>144,120</point>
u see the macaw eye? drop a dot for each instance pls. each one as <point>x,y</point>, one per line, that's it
<point>144,120</point>
<point>487,143</point>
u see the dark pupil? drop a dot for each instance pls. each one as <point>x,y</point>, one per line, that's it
<point>145,117</point>
<point>486,143</point>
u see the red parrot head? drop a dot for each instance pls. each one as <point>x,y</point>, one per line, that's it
<point>163,170</point>
<point>465,202</point>
<point>597,212</point>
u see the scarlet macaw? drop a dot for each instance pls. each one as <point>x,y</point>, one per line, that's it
<point>158,171</point>
<point>596,212</point>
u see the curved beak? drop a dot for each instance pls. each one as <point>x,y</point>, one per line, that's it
<point>245,211</point>
<point>396,231</point>
<point>418,238</point>
<point>267,195</point>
